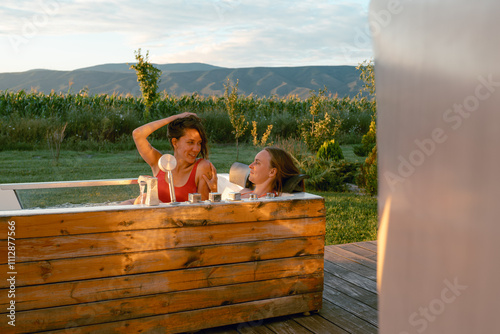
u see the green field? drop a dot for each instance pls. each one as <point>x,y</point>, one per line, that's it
<point>350,217</point>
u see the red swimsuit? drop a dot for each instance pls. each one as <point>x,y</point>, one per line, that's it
<point>181,193</point>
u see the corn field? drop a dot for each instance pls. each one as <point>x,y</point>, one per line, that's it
<point>27,119</point>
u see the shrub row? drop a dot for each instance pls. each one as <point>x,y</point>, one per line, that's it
<point>26,118</point>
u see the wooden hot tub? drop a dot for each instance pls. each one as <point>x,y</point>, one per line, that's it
<point>161,269</point>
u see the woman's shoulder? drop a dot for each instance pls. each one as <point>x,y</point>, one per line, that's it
<point>204,166</point>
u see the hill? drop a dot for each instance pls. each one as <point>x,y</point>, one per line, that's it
<point>165,68</point>
<point>186,79</point>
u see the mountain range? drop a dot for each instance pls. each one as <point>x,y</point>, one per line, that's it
<point>186,79</point>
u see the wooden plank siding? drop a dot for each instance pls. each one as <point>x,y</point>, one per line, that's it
<point>349,298</point>
<point>61,270</point>
<point>166,269</point>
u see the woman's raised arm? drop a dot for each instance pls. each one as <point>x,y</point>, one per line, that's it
<point>144,147</point>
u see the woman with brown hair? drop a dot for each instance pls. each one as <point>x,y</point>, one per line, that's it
<point>192,174</point>
<point>269,171</point>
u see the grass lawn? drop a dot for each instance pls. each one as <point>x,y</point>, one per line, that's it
<point>349,217</point>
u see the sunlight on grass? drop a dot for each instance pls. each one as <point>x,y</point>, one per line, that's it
<point>349,217</point>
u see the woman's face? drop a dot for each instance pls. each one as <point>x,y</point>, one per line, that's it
<point>260,169</point>
<point>188,146</point>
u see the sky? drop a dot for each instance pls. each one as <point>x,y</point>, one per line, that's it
<point>71,34</point>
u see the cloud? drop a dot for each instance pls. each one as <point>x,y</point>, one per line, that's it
<point>224,32</point>
<point>283,34</point>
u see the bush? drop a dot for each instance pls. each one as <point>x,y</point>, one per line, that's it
<point>347,171</point>
<point>24,130</point>
<point>356,115</point>
<point>321,124</point>
<point>349,138</point>
<point>314,131</point>
<point>295,147</point>
<point>218,127</point>
<point>368,178</point>
<point>285,125</point>
<point>330,150</point>
<point>325,175</point>
<point>368,141</point>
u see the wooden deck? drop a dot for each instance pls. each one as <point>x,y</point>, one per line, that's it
<point>349,298</point>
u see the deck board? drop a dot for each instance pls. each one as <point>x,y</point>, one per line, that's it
<point>367,297</point>
<point>361,259</point>
<point>360,251</point>
<point>369,273</point>
<point>345,319</point>
<point>368,245</point>
<point>286,325</point>
<point>317,324</point>
<point>349,297</point>
<point>351,277</point>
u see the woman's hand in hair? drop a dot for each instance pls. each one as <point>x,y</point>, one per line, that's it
<point>184,114</point>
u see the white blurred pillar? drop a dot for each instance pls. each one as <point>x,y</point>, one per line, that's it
<point>437,70</point>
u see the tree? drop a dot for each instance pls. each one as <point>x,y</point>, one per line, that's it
<point>367,75</point>
<point>322,125</point>
<point>369,140</point>
<point>265,136</point>
<point>238,121</point>
<point>368,178</point>
<point>148,77</point>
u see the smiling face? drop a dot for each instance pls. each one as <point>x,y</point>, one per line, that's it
<point>188,146</point>
<point>260,169</point>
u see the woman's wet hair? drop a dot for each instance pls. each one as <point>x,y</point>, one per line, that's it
<point>177,128</point>
<point>285,167</point>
